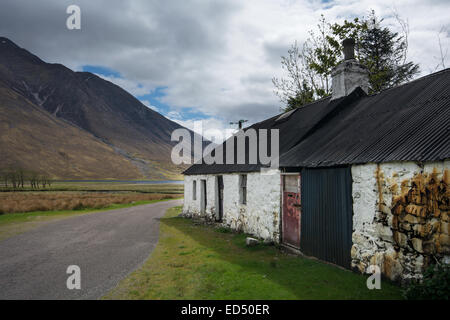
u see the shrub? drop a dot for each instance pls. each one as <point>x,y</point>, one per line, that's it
<point>435,285</point>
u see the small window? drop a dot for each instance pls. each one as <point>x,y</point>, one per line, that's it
<point>243,188</point>
<point>194,190</point>
<point>285,115</point>
<point>291,183</point>
<point>203,196</point>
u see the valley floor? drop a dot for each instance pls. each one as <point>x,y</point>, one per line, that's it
<point>26,209</point>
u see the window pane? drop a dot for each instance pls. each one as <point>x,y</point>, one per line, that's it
<point>243,180</point>
<point>194,190</point>
<point>243,188</point>
<point>291,183</point>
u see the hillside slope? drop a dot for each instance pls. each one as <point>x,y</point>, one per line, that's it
<point>76,125</point>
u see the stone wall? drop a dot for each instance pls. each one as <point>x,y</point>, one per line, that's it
<point>191,207</point>
<point>259,217</point>
<point>400,217</point>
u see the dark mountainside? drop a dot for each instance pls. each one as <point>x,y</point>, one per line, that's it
<point>75,125</point>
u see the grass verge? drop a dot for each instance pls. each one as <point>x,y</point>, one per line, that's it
<point>193,261</point>
<point>15,223</point>
<point>12,202</point>
<point>112,186</point>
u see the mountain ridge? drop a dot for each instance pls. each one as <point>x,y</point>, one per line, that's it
<point>101,114</point>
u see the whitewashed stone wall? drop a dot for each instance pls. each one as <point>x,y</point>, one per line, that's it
<point>192,207</point>
<point>400,217</point>
<point>259,217</point>
<point>400,213</point>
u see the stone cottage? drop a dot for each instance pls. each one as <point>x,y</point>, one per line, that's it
<point>362,179</point>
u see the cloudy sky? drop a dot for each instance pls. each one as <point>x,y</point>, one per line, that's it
<point>203,59</point>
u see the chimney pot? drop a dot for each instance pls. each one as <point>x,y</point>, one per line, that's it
<point>349,48</point>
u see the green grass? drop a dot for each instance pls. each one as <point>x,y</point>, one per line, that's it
<point>15,223</point>
<point>112,186</point>
<point>194,261</point>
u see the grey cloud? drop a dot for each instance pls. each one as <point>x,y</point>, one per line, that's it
<point>275,50</point>
<point>146,40</point>
<point>217,57</point>
<point>256,78</point>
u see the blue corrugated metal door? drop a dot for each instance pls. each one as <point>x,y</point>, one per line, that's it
<point>326,220</point>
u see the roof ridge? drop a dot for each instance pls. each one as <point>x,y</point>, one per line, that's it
<point>412,81</point>
<point>314,102</point>
<point>295,109</point>
<point>376,93</point>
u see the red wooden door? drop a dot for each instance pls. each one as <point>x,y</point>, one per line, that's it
<point>291,210</point>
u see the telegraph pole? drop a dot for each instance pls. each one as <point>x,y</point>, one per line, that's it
<point>239,123</point>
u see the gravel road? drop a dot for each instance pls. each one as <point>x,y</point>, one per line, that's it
<point>106,246</point>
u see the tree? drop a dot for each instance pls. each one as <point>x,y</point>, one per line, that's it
<point>4,177</point>
<point>321,57</point>
<point>302,97</point>
<point>295,86</point>
<point>384,53</point>
<point>442,52</point>
<point>308,69</point>
<point>21,177</point>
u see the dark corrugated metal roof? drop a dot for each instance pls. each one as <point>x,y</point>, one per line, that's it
<point>408,123</point>
<point>291,131</point>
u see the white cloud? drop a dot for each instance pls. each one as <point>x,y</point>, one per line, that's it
<point>212,129</point>
<point>216,57</point>
<point>131,86</point>
<point>174,115</point>
<point>149,105</point>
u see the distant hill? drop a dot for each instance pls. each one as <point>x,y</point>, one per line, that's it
<point>76,125</point>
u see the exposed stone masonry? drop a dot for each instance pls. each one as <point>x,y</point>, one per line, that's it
<point>408,229</point>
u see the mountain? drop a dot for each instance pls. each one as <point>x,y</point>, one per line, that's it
<point>76,125</point>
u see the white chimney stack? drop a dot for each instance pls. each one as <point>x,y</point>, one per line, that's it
<point>349,74</point>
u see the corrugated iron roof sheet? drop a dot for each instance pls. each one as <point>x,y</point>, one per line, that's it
<point>408,123</point>
<point>292,129</point>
